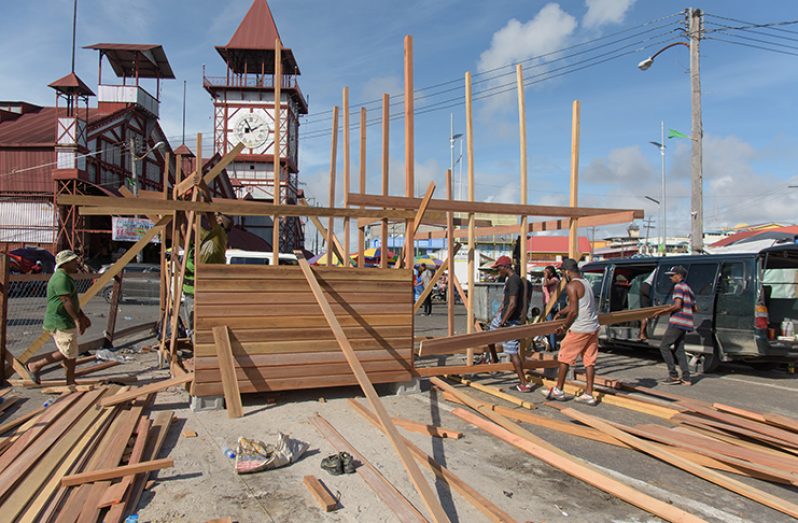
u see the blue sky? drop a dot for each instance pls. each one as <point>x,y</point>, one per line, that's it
<point>750,136</point>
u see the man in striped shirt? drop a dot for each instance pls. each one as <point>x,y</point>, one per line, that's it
<point>681,322</point>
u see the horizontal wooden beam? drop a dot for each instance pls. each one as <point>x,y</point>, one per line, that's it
<point>132,394</point>
<point>545,226</point>
<point>455,344</point>
<point>225,206</point>
<point>400,202</point>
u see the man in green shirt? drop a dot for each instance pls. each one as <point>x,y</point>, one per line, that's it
<point>63,319</point>
<point>212,250</point>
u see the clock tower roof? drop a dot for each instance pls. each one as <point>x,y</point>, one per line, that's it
<point>251,47</point>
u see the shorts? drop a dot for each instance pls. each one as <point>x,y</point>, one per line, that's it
<point>577,344</point>
<point>67,342</point>
<point>510,346</point>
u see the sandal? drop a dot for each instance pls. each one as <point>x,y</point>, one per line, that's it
<point>523,388</point>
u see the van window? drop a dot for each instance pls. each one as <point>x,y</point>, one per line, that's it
<point>595,279</point>
<point>241,260</point>
<point>783,282</point>
<point>664,283</point>
<point>701,278</point>
<point>732,279</point>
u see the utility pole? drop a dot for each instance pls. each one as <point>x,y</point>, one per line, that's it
<point>648,226</point>
<point>133,173</point>
<point>695,30</point>
<point>663,226</point>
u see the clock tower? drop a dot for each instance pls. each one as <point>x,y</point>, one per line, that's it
<point>243,112</point>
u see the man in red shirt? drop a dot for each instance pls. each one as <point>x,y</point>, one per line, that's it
<point>680,323</point>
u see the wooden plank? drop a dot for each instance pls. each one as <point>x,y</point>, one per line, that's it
<point>331,221</point>
<point>731,429</point>
<point>290,309</point>
<point>26,457</point>
<point>388,494</point>
<point>224,353</point>
<point>712,476</point>
<point>309,358</point>
<point>320,493</point>
<point>8,402</point>
<point>787,437</point>
<point>416,223</point>
<point>513,434</point>
<point>137,392</point>
<point>269,299</point>
<point>361,232</point>
<point>423,428</point>
<point>116,472</point>
<point>42,469</point>
<point>250,285</point>
<point>277,151</point>
<point>390,345</point>
<point>410,151</point>
<point>231,207</point>
<point>96,368</point>
<point>323,230</point>
<point>386,144</point>
<point>291,272</point>
<point>574,187</point>
<point>115,493</point>
<point>99,380</point>
<point>251,322</point>
<point>494,391</point>
<point>433,505</point>
<point>14,423</point>
<point>205,335</point>
<point>100,282</point>
<point>256,374</point>
<point>184,186</point>
<point>454,344</point>
<point>462,206</point>
<point>314,382</point>
<point>480,502</point>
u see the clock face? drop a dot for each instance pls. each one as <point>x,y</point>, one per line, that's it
<point>252,130</point>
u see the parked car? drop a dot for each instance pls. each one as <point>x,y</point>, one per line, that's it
<point>742,298</point>
<point>141,281</point>
<point>240,257</point>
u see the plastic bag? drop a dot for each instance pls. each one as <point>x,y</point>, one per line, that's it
<point>254,456</point>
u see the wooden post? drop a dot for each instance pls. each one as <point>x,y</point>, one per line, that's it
<point>113,309</point>
<point>347,185</point>
<point>333,160</point>
<point>409,148</point>
<point>361,231</point>
<point>174,289</point>
<point>572,230</point>
<point>3,314</point>
<point>165,193</point>
<point>278,170</point>
<point>524,229</point>
<point>386,129</point>
<point>471,246</point>
<point>450,258</point>
<point>197,228</point>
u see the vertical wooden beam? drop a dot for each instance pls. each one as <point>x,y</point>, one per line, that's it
<point>174,289</point>
<point>361,231</point>
<point>523,231</point>
<point>278,170</point>
<point>197,226</point>
<point>227,371</point>
<point>471,243</point>
<point>572,229</point>
<point>450,258</point>
<point>347,184</point>
<point>427,495</point>
<point>165,194</point>
<point>409,147</point>
<point>386,145</point>
<point>333,160</point>
<point>3,314</point>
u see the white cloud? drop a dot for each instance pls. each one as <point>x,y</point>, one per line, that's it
<point>546,32</point>
<point>601,12</point>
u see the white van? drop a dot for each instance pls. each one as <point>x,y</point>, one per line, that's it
<point>241,257</point>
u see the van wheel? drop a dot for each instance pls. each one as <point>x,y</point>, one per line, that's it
<point>708,363</point>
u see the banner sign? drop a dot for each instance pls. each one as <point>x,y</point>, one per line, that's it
<point>130,229</point>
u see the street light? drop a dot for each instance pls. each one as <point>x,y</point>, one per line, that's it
<point>695,27</point>
<point>663,216</point>
<point>452,138</point>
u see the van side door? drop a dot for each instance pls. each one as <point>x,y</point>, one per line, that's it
<point>734,309</point>
<point>701,277</point>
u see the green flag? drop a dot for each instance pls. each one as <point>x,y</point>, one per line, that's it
<point>673,133</point>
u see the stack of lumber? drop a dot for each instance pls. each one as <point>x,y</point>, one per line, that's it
<point>77,459</point>
<point>279,337</point>
<point>711,441</point>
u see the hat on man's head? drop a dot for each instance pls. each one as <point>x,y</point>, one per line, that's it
<point>677,269</point>
<point>502,261</point>
<point>64,257</point>
<point>569,264</point>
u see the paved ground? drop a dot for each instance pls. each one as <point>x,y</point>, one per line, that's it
<point>203,485</point>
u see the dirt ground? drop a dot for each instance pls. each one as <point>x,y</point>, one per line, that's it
<point>203,485</point>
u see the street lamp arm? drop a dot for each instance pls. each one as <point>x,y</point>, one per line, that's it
<point>645,64</point>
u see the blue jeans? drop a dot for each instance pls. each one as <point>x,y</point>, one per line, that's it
<point>552,337</point>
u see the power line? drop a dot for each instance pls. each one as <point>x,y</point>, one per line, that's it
<point>752,46</point>
<point>558,51</point>
<point>777,44</point>
<point>723,27</point>
<point>771,26</point>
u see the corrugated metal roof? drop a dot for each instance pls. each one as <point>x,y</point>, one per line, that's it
<point>37,128</point>
<point>71,84</point>
<point>122,58</point>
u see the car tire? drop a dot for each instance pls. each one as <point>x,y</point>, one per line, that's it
<point>708,363</point>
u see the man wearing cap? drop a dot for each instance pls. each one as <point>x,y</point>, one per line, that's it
<point>212,250</point>
<point>581,322</point>
<point>681,322</point>
<point>509,314</point>
<point>63,319</point>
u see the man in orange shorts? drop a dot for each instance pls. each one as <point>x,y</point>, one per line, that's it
<point>581,322</point>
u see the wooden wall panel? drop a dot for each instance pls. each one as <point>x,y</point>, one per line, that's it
<point>279,337</point>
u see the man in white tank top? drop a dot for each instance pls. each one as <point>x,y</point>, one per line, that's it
<point>582,325</point>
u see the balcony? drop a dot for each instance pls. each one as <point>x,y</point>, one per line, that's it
<point>289,83</point>
<point>131,94</point>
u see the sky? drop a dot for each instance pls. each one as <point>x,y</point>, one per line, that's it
<point>591,50</point>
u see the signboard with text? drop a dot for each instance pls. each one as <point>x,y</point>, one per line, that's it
<point>130,229</point>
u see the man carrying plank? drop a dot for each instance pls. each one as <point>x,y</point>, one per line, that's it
<point>509,315</point>
<point>63,318</point>
<point>680,323</point>
<point>581,322</point>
